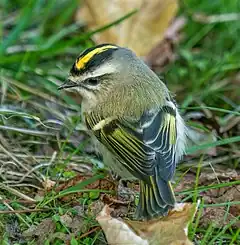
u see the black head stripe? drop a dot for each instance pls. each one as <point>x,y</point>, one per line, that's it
<point>89,59</point>
<point>86,51</point>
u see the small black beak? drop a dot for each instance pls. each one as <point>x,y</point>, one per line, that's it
<point>68,84</point>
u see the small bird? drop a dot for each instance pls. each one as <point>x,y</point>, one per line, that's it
<point>134,119</point>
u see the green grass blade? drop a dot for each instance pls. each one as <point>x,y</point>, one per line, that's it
<point>62,46</point>
<point>213,109</point>
<point>205,188</point>
<point>213,144</point>
<point>222,232</point>
<point>58,36</point>
<point>236,237</point>
<point>24,20</point>
<point>80,186</point>
<point>208,233</point>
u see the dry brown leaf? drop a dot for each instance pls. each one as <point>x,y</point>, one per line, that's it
<point>103,184</point>
<point>163,53</point>
<point>187,182</point>
<point>116,231</point>
<point>98,184</point>
<point>48,184</point>
<point>141,32</point>
<point>41,231</point>
<point>95,208</point>
<point>218,217</point>
<point>155,232</point>
<point>66,219</point>
<point>75,222</point>
<point>224,174</point>
<point>221,195</point>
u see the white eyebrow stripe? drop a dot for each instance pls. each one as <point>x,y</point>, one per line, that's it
<point>101,70</point>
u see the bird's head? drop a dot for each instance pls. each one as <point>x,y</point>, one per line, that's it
<point>99,70</point>
<point>116,78</point>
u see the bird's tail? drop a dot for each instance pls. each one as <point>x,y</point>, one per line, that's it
<point>155,198</point>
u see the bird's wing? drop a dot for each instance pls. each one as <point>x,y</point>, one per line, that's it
<point>141,145</point>
<point>160,134</point>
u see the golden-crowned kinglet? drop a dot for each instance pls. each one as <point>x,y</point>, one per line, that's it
<point>131,113</point>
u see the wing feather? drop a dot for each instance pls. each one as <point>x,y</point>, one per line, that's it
<point>142,146</point>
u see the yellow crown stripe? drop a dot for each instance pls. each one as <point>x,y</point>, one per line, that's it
<point>82,61</point>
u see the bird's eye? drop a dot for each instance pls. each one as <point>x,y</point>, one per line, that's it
<point>92,81</point>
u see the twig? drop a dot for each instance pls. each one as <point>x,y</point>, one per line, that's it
<point>35,168</point>
<point>23,211</point>
<point>214,173</point>
<point>202,18</point>
<point>39,157</point>
<point>219,160</point>
<point>12,177</point>
<point>18,215</point>
<point>34,91</point>
<point>19,201</point>
<point>50,163</point>
<point>231,123</point>
<point>26,185</point>
<point>13,157</point>
<point>20,164</point>
<point>90,232</point>
<point>27,131</point>
<point>15,192</point>
<point>114,201</point>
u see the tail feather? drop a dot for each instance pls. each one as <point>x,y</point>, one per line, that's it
<point>151,206</point>
<point>155,199</point>
<point>142,208</point>
<point>166,191</point>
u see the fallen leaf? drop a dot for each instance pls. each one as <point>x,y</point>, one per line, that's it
<point>66,219</point>
<point>218,217</point>
<point>48,184</point>
<point>102,184</point>
<point>75,222</point>
<point>42,230</point>
<point>235,210</point>
<point>163,52</point>
<point>208,176</point>
<point>187,182</point>
<point>60,235</point>
<point>116,231</point>
<point>96,207</point>
<point>154,232</point>
<point>141,32</point>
